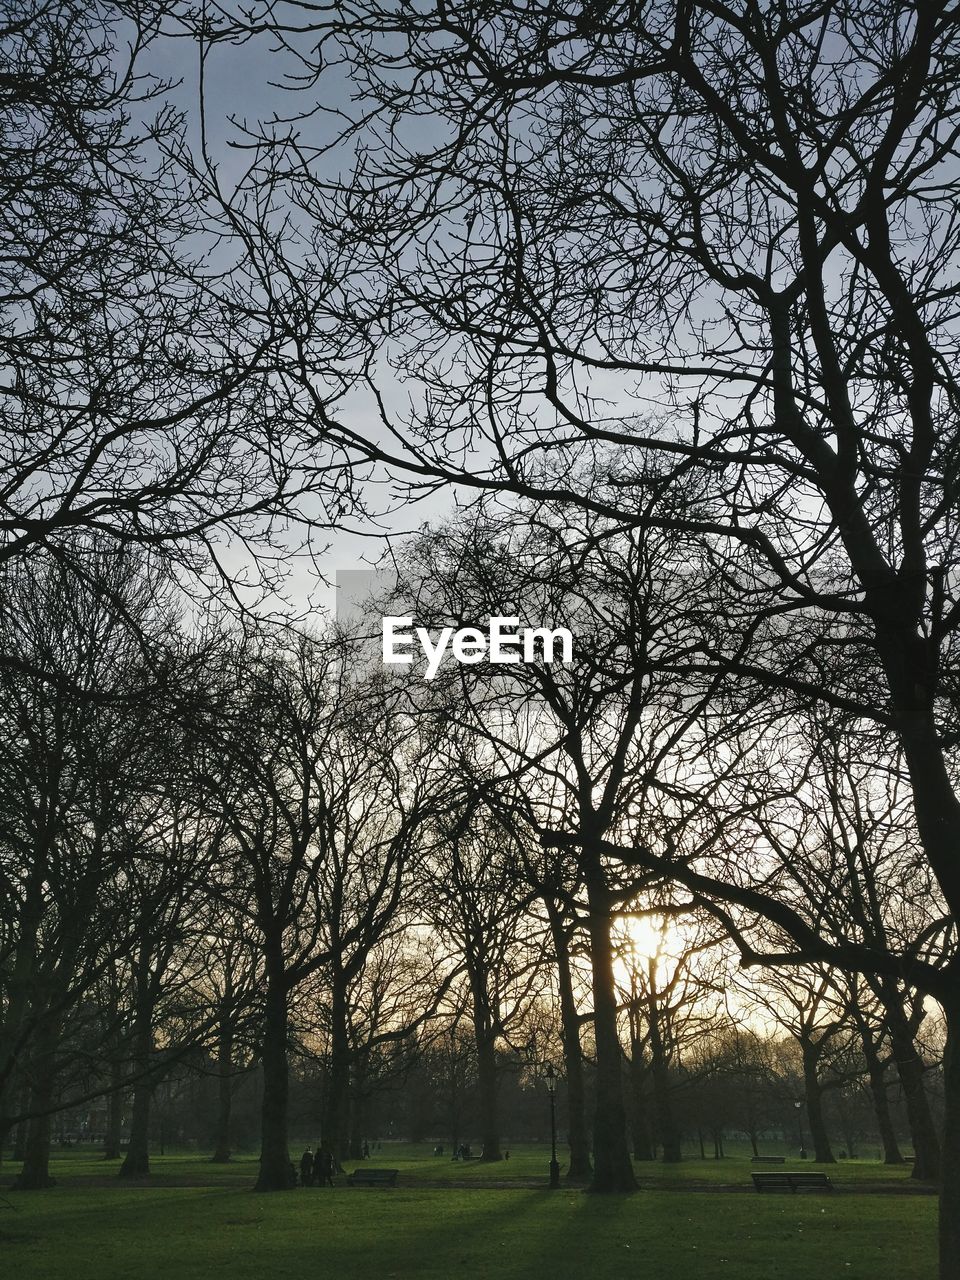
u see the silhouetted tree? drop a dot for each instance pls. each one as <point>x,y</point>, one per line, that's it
<point>750,213</point>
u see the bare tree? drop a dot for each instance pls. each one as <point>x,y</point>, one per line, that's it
<point>228,981</point>
<point>833,815</point>
<point>142,396</point>
<point>160,890</point>
<point>78,768</point>
<point>476,907</point>
<point>867,1016</point>
<point>671,997</point>
<point>752,213</point>
<point>601,744</point>
<point>322,791</point>
<point>804,1005</point>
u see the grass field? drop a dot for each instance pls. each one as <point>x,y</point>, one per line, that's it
<point>697,1221</point>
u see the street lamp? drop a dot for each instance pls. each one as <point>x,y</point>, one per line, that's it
<point>798,1107</point>
<point>552,1090</point>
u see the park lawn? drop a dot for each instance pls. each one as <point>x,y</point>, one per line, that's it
<point>736,1170</point>
<point>527,1166</point>
<point>109,1233</point>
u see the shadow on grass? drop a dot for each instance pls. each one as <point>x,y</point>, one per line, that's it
<point>412,1234</point>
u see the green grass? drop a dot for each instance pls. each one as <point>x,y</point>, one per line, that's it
<point>94,1233</point>
<point>527,1167</point>
<point>695,1221</point>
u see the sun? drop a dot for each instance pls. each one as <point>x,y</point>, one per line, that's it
<point>639,941</point>
<point>645,937</point>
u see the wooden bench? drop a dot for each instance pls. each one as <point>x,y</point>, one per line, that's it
<point>373,1177</point>
<point>768,1159</point>
<point>791,1182</point>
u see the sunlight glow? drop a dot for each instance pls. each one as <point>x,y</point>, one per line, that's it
<point>645,937</point>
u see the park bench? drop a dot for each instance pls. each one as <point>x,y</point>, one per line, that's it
<point>767,1159</point>
<point>791,1182</point>
<point>373,1177</point>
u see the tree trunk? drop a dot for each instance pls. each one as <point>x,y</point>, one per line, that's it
<point>19,1140</point>
<point>111,1138</point>
<point>137,1161</point>
<point>814,1096</point>
<point>611,1156</point>
<point>136,1164</point>
<point>911,1070</point>
<point>358,1115</point>
<point>640,1133</point>
<point>846,1126</point>
<point>276,1169</point>
<point>336,1131</point>
<point>485,1039</point>
<point>20,976</point>
<point>950,1165</point>
<point>487,1093</point>
<point>221,1152</point>
<point>660,1070</point>
<point>35,1174</point>
<point>580,1167</point>
<point>878,1095</point>
<point>881,1107</point>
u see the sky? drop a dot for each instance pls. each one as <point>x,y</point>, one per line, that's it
<point>240,88</point>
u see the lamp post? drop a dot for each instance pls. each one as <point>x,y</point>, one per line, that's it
<point>552,1090</point>
<point>798,1107</point>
